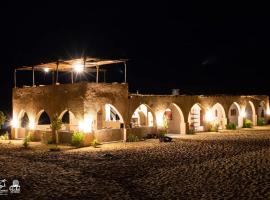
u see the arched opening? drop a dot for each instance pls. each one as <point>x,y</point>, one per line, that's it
<point>69,121</point>
<point>195,118</point>
<point>112,119</point>
<point>142,117</point>
<point>43,121</point>
<point>234,114</point>
<point>250,113</point>
<point>219,116</point>
<point>262,110</point>
<point>24,121</point>
<point>174,119</point>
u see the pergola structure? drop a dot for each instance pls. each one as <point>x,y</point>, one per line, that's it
<point>77,65</point>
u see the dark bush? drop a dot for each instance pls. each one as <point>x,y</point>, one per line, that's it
<point>261,122</point>
<point>132,138</point>
<point>77,139</point>
<point>247,123</point>
<point>231,126</point>
<point>190,132</point>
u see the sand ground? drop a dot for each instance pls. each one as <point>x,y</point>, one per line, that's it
<point>227,165</point>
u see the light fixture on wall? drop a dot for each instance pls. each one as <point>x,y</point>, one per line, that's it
<point>268,111</point>
<point>14,123</point>
<point>243,113</point>
<point>160,121</point>
<point>31,124</point>
<point>86,124</point>
<point>209,116</point>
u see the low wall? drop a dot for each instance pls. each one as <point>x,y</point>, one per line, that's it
<point>108,135</point>
<point>140,132</point>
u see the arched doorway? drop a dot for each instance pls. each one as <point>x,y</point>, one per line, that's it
<point>195,118</point>
<point>262,110</point>
<point>174,119</point>
<point>234,115</point>
<point>24,121</point>
<point>142,117</point>
<point>69,121</point>
<point>43,121</point>
<point>23,124</point>
<point>219,116</point>
<point>250,113</point>
<point>113,118</point>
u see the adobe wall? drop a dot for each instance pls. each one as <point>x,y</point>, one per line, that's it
<point>90,98</point>
<point>159,103</point>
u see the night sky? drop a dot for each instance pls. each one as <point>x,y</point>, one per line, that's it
<point>200,49</point>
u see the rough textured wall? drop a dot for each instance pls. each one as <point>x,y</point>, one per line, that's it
<point>51,98</point>
<point>90,98</point>
<point>159,103</point>
<point>97,95</point>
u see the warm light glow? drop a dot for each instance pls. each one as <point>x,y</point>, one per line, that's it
<point>243,113</point>
<point>107,112</point>
<point>78,67</point>
<point>160,119</point>
<point>14,123</point>
<point>268,111</point>
<point>150,119</point>
<point>209,116</point>
<point>86,124</point>
<point>31,124</point>
<point>46,70</point>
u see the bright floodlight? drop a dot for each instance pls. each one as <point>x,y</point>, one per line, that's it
<point>46,70</point>
<point>78,67</point>
<point>243,113</point>
<point>209,116</point>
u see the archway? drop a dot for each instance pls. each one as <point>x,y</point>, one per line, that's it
<point>69,121</point>
<point>113,118</point>
<point>262,110</point>
<point>234,114</point>
<point>43,121</point>
<point>142,117</point>
<point>250,113</point>
<point>219,116</point>
<point>174,119</point>
<point>195,118</point>
<point>23,124</point>
<point>24,121</point>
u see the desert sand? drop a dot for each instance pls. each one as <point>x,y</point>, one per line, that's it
<point>228,165</point>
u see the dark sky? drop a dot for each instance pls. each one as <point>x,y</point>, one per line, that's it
<point>198,48</point>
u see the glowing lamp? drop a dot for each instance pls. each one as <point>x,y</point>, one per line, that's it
<point>78,67</point>
<point>86,124</point>
<point>160,119</point>
<point>14,123</point>
<point>31,124</point>
<point>243,113</point>
<point>268,111</point>
<point>209,116</point>
<point>46,70</point>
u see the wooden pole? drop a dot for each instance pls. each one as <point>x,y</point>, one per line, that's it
<point>53,77</point>
<point>97,74</point>
<point>33,76</point>
<point>15,78</point>
<point>57,65</point>
<point>72,81</point>
<point>125,72</point>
